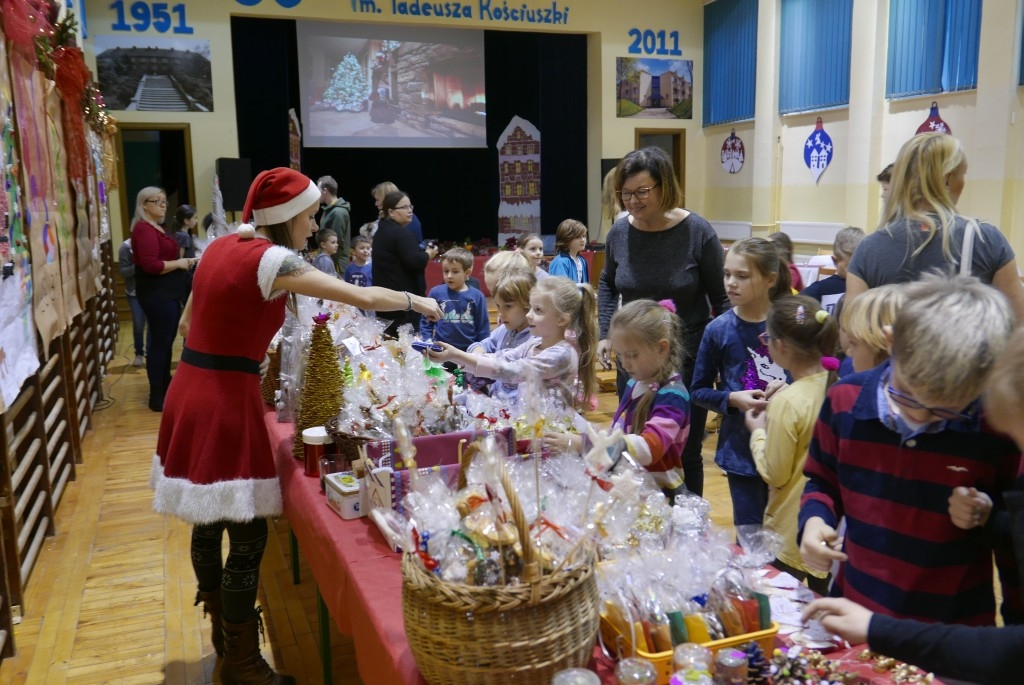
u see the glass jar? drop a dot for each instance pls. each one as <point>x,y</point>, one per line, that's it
<point>576,676</point>
<point>692,655</point>
<point>731,667</point>
<point>313,441</point>
<point>635,671</point>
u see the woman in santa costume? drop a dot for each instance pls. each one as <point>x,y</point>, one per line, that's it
<point>214,466</point>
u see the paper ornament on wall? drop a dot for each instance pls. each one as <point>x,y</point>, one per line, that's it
<point>934,122</point>
<point>733,153</point>
<point>818,151</point>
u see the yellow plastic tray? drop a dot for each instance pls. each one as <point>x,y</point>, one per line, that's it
<point>663,660</point>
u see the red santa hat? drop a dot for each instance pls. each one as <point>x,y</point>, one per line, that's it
<point>277,195</point>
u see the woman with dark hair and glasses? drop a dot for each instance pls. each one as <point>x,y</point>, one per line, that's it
<point>161,284</point>
<point>398,262</point>
<point>661,251</point>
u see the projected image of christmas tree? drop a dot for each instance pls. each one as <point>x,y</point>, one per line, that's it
<point>348,90</point>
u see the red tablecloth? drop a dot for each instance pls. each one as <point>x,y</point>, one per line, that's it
<point>360,578</point>
<point>358,575</point>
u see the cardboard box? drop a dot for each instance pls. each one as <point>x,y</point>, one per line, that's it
<point>343,491</point>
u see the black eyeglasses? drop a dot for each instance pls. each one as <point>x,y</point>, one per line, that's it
<point>941,412</point>
<point>764,338</point>
<point>404,207</point>
<point>639,193</point>
<point>162,203</point>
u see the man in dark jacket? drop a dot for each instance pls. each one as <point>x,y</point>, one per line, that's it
<point>336,218</point>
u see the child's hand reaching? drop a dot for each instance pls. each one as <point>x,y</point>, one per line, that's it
<point>820,545</point>
<point>969,508</point>
<point>755,418</point>
<point>846,619</point>
<point>563,443</point>
<point>449,353</point>
<point>745,400</point>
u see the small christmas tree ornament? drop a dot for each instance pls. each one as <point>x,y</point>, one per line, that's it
<point>934,123</point>
<point>818,151</point>
<point>322,387</point>
<point>348,90</point>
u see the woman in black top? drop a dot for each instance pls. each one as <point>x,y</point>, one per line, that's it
<point>398,262</point>
<point>662,251</point>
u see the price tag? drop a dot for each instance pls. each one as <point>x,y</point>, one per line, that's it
<point>353,346</point>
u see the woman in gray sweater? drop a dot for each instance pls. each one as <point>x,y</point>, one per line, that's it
<point>662,251</point>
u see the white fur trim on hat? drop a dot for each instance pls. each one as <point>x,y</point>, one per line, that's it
<point>279,214</point>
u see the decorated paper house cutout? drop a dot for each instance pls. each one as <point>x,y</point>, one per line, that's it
<point>518,180</point>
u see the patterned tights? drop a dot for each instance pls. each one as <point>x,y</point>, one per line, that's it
<point>238,579</point>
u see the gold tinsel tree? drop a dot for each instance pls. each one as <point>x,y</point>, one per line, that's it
<point>271,382</point>
<point>322,387</point>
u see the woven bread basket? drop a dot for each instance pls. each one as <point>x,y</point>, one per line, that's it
<point>521,633</point>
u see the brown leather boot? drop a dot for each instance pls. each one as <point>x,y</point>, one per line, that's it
<point>243,664</point>
<point>213,608</point>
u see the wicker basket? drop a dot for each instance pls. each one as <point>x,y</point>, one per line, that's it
<point>348,444</point>
<point>524,633</point>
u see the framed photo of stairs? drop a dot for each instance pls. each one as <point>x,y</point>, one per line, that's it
<point>153,73</point>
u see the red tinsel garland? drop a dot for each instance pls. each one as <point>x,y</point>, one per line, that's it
<point>24,21</point>
<point>71,76</point>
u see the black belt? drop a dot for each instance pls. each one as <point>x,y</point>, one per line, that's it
<point>219,362</point>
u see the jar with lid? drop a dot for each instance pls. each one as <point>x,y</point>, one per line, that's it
<point>635,671</point>
<point>313,441</point>
<point>576,676</point>
<point>692,655</point>
<point>731,667</point>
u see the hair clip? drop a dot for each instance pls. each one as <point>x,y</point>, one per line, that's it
<point>667,304</point>
<point>821,316</point>
<point>830,363</point>
<point>801,314</point>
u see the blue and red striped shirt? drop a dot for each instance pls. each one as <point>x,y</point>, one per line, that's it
<point>906,558</point>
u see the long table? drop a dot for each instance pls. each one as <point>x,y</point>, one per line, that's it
<point>357,575</point>
<point>359,580</point>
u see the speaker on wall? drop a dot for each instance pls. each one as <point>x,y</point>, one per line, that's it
<point>235,176</point>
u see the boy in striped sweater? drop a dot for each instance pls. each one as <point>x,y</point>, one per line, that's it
<point>890,446</point>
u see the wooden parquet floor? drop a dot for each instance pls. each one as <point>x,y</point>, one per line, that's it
<point>111,596</point>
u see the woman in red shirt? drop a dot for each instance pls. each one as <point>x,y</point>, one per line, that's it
<point>161,284</point>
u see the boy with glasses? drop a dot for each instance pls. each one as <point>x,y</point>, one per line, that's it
<point>890,447</point>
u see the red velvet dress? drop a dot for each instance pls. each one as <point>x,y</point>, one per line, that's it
<point>213,460</point>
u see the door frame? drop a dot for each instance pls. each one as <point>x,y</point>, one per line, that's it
<point>678,154</point>
<point>127,203</point>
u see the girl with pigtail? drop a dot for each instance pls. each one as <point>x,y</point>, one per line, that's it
<point>655,408</point>
<point>800,337</point>
<point>557,305</point>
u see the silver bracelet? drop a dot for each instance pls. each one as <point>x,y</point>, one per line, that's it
<point>408,300</point>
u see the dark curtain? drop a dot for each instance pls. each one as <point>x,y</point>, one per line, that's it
<point>540,77</point>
